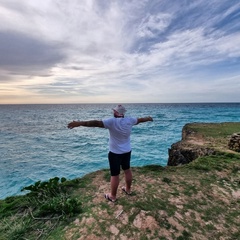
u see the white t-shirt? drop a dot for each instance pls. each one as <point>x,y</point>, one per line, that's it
<point>119,130</point>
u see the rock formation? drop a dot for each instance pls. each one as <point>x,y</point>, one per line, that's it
<point>189,148</point>
<point>234,142</point>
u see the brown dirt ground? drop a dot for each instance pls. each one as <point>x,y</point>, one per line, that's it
<point>190,206</point>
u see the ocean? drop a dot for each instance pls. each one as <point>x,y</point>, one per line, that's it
<point>35,143</point>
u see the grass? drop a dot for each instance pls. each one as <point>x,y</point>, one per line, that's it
<point>214,130</point>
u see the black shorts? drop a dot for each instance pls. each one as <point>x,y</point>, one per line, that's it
<point>118,160</point>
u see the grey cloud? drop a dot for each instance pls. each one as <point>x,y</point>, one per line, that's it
<point>21,54</point>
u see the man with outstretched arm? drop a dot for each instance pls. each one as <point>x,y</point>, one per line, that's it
<point>119,155</point>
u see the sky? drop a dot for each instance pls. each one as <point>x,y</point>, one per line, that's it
<point>119,51</point>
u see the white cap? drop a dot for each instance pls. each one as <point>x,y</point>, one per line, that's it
<point>120,110</point>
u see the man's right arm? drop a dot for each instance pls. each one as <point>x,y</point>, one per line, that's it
<point>91,123</point>
<point>145,119</point>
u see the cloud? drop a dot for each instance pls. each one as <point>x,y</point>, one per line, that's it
<point>26,55</point>
<point>153,25</point>
<point>76,50</point>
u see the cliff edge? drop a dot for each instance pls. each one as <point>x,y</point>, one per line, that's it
<point>199,200</point>
<point>204,139</point>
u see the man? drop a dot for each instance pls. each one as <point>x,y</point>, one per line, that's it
<point>119,155</point>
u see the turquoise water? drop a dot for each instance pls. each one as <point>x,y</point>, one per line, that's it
<point>35,143</point>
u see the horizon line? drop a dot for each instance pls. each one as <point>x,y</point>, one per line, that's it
<point>118,103</point>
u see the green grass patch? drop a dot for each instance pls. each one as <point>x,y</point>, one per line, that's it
<point>214,130</point>
<point>185,236</point>
<point>219,162</point>
<point>189,190</point>
<point>151,169</point>
<point>166,180</point>
<point>107,175</point>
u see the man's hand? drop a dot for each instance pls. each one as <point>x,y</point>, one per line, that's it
<point>150,119</point>
<point>145,119</point>
<point>73,124</point>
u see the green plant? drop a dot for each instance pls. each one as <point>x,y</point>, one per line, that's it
<point>51,197</point>
<point>61,205</point>
<point>49,188</point>
<point>43,207</point>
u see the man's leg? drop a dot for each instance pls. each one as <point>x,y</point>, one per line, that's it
<point>114,186</point>
<point>114,163</point>
<point>128,179</point>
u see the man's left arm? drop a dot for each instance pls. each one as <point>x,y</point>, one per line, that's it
<point>145,119</point>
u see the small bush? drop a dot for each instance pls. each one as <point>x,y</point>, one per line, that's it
<point>50,197</point>
<point>44,208</point>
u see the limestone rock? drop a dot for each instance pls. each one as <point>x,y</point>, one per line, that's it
<point>188,149</point>
<point>234,142</point>
<point>182,153</point>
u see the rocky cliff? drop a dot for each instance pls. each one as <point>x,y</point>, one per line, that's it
<point>198,140</point>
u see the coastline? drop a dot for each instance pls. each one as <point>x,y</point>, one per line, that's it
<point>198,200</point>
